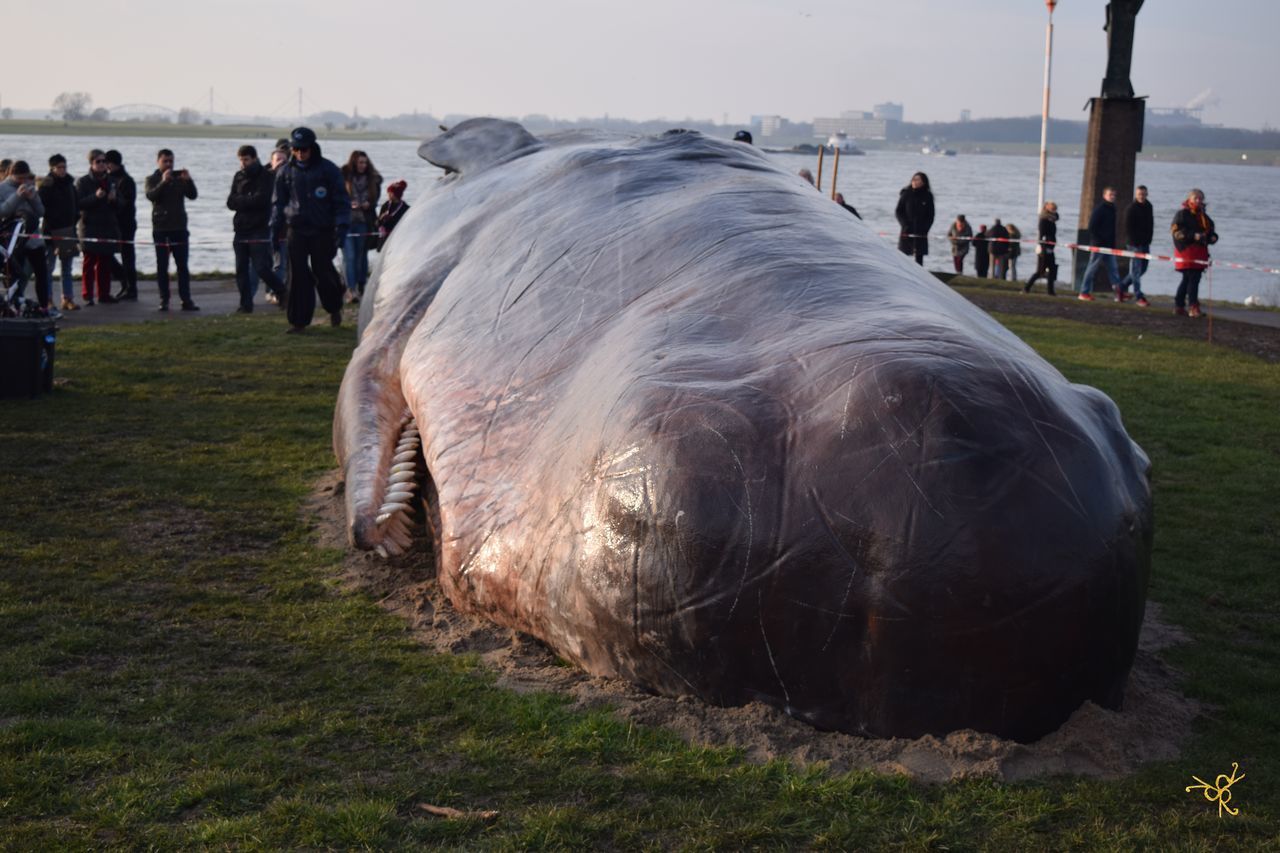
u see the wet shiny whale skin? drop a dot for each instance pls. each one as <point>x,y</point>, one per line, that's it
<point>694,426</point>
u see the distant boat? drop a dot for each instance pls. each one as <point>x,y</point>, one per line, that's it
<point>840,141</point>
<point>935,150</point>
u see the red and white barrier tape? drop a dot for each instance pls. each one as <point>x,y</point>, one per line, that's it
<point>169,243</point>
<point>1120,253</point>
<point>1101,250</point>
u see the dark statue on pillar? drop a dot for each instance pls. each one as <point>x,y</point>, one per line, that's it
<point>1121,16</point>
<point>1115,135</point>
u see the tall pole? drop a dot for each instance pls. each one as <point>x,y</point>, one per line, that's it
<point>1044,113</point>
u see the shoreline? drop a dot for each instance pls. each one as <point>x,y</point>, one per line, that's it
<point>1152,153</point>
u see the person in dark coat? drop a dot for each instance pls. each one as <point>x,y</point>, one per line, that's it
<point>393,210</point>
<point>20,201</point>
<point>58,193</point>
<point>1102,234</point>
<point>168,188</point>
<point>1193,234</point>
<point>999,235</point>
<point>961,235</point>
<point>840,201</point>
<point>98,229</point>
<point>981,252</point>
<point>1046,241</point>
<point>1139,228</point>
<point>915,216</point>
<point>311,202</point>
<point>250,198</point>
<point>125,269</point>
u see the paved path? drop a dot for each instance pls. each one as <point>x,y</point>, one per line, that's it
<point>1246,315</point>
<point>216,298</point>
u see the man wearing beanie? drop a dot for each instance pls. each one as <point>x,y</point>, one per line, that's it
<point>312,206</point>
<point>126,269</point>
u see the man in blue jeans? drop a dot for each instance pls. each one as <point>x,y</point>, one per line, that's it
<point>1139,227</point>
<point>167,188</point>
<point>1102,233</point>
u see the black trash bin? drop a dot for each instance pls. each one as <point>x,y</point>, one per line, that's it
<point>26,357</point>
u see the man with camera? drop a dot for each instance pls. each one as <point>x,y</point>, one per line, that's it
<point>20,202</point>
<point>167,188</point>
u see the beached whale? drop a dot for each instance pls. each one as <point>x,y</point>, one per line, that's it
<point>692,425</point>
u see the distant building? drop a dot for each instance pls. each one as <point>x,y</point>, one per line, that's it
<point>771,125</point>
<point>1173,117</point>
<point>888,111</point>
<point>966,115</point>
<point>856,125</point>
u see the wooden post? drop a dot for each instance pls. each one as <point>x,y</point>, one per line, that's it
<point>821,151</point>
<point>835,173</point>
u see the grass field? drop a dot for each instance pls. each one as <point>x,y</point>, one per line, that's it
<point>180,668</point>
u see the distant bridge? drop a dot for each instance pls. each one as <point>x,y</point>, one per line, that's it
<point>140,110</point>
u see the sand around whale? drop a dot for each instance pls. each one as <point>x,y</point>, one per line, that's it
<point>1094,742</point>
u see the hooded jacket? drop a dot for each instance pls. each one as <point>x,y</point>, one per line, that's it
<point>30,210</point>
<point>1190,253</point>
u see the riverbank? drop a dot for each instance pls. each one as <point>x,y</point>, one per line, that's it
<point>39,127</point>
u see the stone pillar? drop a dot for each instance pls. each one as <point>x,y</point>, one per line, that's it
<point>1110,157</point>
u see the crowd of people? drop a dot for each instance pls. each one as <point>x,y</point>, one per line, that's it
<point>996,249</point>
<point>292,214</point>
<point>290,217</point>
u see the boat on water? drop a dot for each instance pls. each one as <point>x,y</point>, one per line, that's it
<point>840,141</point>
<point>935,150</point>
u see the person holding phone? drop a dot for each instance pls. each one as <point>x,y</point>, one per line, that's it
<point>167,189</point>
<point>98,229</point>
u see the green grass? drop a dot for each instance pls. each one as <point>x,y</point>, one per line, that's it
<point>180,668</point>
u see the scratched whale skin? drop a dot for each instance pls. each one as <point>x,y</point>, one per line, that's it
<point>692,425</point>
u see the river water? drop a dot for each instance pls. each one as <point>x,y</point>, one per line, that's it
<point>1243,200</point>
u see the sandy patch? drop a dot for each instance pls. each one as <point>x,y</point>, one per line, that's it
<point>1094,742</point>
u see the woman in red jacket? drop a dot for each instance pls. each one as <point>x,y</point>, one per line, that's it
<point>1193,234</point>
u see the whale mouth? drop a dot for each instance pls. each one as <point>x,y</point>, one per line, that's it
<point>401,492</point>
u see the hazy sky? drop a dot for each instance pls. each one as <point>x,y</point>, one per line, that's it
<point>641,59</point>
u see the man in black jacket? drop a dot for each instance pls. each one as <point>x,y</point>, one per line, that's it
<point>1102,233</point>
<point>58,193</point>
<point>999,236</point>
<point>167,188</point>
<point>250,198</point>
<point>126,269</point>
<point>1139,227</point>
<point>311,201</point>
